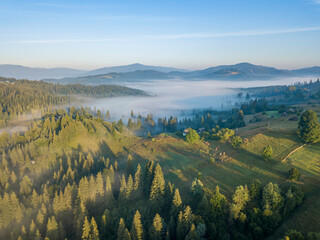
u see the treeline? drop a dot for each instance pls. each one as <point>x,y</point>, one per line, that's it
<point>206,120</point>
<point>85,196</point>
<point>299,91</point>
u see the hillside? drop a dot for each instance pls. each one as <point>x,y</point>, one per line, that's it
<point>20,97</point>
<point>77,147</point>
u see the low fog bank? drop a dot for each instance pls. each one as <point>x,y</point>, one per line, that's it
<point>179,97</point>
<point>21,123</point>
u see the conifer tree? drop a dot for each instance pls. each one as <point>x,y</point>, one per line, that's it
<point>94,230</point>
<point>86,230</point>
<point>240,199</point>
<point>147,177</point>
<point>137,229</point>
<point>108,192</point>
<point>185,221</point>
<point>32,230</point>
<point>156,230</point>
<point>52,228</point>
<point>100,184</point>
<point>157,188</point>
<point>192,235</point>
<point>129,168</point>
<point>123,233</point>
<point>123,186</point>
<point>137,178</point>
<point>37,235</point>
<point>176,203</point>
<point>129,187</point>
<point>309,127</point>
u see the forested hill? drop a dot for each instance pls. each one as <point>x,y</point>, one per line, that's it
<point>19,96</point>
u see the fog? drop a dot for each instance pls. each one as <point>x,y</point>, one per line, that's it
<point>179,97</point>
<point>167,98</point>
<point>21,123</point>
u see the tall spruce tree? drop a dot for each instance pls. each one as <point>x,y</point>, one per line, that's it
<point>176,203</point>
<point>157,228</point>
<point>123,233</point>
<point>157,188</point>
<point>309,127</point>
<point>137,229</point>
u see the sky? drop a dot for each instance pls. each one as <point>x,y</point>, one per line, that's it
<point>190,34</point>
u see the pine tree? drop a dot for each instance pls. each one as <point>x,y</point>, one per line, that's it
<point>176,203</point>
<point>108,192</point>
<point>192,235</point>
<point>156,230</point>
<point>271,197</point>
<point>37,235</point>
<point>157,188</point>
<point>123,186</point>
<point>240,199</point>
<point>137,178</point>
<point>129,187</point>
<point>147,177</point>
<point>52,228</point>
<point>137,229</point>
<point>309,127</point>
<point>100,184</point>
<point>129,168</point>
<point>86,230</point>
<point>185,221</point>
<point>123,233</point>
<point>94,230</point>
<point>33,230</point>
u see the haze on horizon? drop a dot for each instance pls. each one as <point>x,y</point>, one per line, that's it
<point>182,34</point>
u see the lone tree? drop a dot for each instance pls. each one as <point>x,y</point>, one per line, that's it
<point>294,174</point>
<point>192,136</point>
<point>309,127</point>
<point>236,142</point>
<point>267,152</point>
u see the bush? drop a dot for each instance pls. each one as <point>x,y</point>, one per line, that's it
<point>267,152</point>
<point>236,142</point>
<point>192,136</point>
<point>294,174</point>
<point>224,134</point>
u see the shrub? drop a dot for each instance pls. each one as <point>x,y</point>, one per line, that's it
<point>267,152</point>
<point>192,136</point>
<point>294,174</point>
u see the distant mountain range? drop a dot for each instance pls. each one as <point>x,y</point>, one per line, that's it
<point>139,72</point>
<point>132,68</point>
<point>19,72</point>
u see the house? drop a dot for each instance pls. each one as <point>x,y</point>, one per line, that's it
<point>185,132</point>
<point>200,130</point>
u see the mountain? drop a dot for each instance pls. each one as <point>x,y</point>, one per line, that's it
<point>312,71</point>
<point>240,71</point>
<point>140,72</point>
<point>132,68</point>
<point>113,78</point>
<point>17,71</point>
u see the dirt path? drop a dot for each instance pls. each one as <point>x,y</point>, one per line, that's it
<point>293,151</point>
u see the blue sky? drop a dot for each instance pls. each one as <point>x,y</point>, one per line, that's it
<point>188,34</point>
